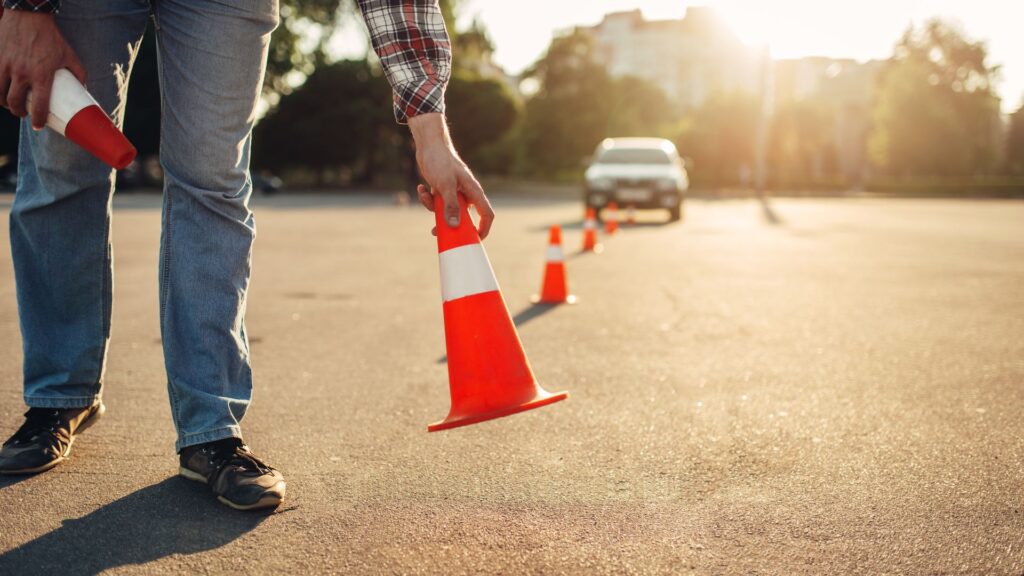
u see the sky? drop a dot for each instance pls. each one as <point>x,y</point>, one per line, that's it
<point>865,29</point>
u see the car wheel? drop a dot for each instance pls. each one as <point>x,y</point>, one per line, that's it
<point>675,214</point>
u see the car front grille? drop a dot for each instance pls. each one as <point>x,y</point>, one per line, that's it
<point>635,183</point>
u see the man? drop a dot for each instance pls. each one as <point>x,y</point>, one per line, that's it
<point>212,57</point>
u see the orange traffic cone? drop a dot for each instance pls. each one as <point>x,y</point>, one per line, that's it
<point>75,115</point>
<point>611,220</point>
<point>488,372</point>
<point>590,243</point>
<point>631,215</point>
<point>555,289</point>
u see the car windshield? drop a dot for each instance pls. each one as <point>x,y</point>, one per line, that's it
<point>633,156</point>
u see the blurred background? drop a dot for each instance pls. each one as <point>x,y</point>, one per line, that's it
<point>900,97</point>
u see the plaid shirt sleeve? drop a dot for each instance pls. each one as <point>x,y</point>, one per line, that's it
<point>410,38</point>
<point>47,6</point>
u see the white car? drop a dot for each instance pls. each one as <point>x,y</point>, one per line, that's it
<point>638,172</point>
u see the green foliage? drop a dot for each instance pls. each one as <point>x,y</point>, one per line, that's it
<point>800,146</point>
<point>480,113</point>
<point>935,113</point>
<point>720,138</point>
<point>579,104</point>
<point>1015,143</point>
<point>339,117</point>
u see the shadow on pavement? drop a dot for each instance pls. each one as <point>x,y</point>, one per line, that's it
<point>172,517</point>
<point>12,479</point>
<point>522,317</point>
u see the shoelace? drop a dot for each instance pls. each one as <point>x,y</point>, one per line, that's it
<point>237,454</point>
<point>40,420</point>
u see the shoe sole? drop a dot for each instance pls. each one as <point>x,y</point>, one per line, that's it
<point>266,501</point>
<point>67,453</point>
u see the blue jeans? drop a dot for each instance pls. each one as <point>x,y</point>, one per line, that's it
<point>212,57</point>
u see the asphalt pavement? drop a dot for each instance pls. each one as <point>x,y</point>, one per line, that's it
<point>837,389</point>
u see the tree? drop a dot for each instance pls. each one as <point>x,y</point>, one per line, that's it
<point>338,117</point>
<point>579,104</point>
<point>800,146</point>
<point>1015,143</point>
<point>480,113</point>
<point>720,138</point>
<point>935,114</point>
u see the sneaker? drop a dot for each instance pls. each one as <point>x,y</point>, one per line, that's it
<point>45,439</point>
<point>236,475</point>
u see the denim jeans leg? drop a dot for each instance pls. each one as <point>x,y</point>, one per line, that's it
<point>60,221</point>
<point>212,60</point>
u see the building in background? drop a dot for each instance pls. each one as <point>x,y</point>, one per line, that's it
<point>690,59</point>
<point>698,57</point>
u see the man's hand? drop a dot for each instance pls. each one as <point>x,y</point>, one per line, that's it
<point>445,172</point>
<point>31,51</point>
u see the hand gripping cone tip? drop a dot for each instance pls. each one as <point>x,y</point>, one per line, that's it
<point>488,372</point>
<point>75,115</point>
<point>555,288</point>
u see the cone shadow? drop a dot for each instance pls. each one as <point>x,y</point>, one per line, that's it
<point>522,317</point>
<point>770,216</point>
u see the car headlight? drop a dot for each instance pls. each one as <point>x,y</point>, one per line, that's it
<point>601,184</point>
<point>666,184</point>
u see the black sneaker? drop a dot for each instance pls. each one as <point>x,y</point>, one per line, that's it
<point>45,439</point>
<point>236,475</point>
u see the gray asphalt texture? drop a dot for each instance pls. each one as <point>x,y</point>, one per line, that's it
<point>837,391</point>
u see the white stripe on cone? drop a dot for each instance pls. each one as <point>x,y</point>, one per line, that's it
<point>466,271</point>
<point>555,253</point>
<point>67,98</point>
<point>588,224</point>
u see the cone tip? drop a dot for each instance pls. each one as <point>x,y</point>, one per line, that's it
<point>555,237</point>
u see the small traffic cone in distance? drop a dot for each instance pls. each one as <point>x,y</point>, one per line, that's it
<point>75,115</point>
<point>590,243</point>
<point>555,288</point>
<point>488,373</point>
<point>631,215</point>
<point>611,221</point>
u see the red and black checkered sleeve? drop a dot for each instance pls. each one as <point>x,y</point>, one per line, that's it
<point>46,6</point>
<point>410,38</point>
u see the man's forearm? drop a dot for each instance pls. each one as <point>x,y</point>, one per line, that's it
<point>430,130</point>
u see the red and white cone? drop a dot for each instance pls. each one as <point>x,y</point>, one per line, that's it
<point>555,288</point>
<point>611,218</point>
<point>75,115</point>
<point>488,373</point>
<point>590,243</point>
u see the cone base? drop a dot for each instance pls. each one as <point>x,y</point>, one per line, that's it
<point>542,399</point>
<point>536,299</point>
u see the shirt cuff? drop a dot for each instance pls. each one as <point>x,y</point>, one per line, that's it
<point>41,6</point>
<point>422,97</point>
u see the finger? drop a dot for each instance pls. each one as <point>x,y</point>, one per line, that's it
<point>5,85</point>
<point>16,97</point>
<point>476,194</point>
<point>451,203</point>
<point>40,102</point>
<point>433,231</point>
<point>72,63</point>
<point>426,198</point>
